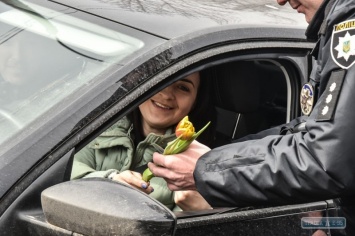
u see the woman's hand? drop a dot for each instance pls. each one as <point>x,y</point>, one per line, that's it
<point>134,179</point>
<point>190,200</point>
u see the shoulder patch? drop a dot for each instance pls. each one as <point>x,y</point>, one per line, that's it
<point>343,44</point>
<point>307,99</point>
<point>330,96</point>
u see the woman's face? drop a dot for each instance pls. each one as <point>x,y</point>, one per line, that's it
<point>170,105</point>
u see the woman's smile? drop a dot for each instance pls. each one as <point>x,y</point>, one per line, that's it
<point>160,105</point>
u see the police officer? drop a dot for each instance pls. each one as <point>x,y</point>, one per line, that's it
<point>315,163</point>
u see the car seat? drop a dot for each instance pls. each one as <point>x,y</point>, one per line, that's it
<point>242,102</point>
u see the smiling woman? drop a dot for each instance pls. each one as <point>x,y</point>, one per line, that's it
<point>122,152</point>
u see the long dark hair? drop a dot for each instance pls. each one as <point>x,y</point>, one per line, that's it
<point>202,112</point>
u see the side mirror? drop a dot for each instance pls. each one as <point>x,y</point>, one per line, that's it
<point>97,206</point>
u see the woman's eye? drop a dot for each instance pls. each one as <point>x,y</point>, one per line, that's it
<point>184,88</point>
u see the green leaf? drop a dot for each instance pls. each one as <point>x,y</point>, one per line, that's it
<point>201,130</point>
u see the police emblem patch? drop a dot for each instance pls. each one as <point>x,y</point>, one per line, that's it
<point>343,44</point>
<point>307,99</point>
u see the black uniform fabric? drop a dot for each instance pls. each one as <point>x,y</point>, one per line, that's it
<point>315,164</point>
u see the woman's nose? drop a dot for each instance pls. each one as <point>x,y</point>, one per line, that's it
<point>167,93</point>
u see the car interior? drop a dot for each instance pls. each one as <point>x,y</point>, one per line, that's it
<point>250,96</point>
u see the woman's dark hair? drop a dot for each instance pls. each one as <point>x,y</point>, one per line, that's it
<point>136,118</point>
<point>202,112</point>
<point>204,109</point>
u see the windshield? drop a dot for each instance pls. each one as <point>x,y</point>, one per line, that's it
<point>45,56</point>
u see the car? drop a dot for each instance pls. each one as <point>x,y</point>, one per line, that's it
<point>70,69</point>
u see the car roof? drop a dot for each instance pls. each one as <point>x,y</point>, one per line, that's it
<point>174,18</point>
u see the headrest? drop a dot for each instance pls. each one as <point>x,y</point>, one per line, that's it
<point>237,86</point>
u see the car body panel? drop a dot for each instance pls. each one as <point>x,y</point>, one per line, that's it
<point>157,17</point>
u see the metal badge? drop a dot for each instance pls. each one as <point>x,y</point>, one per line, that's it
<point>307,99</point>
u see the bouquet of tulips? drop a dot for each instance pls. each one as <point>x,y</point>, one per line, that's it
<point>185,134</point>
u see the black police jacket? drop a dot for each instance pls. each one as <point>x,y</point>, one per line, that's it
<point>315,164</point>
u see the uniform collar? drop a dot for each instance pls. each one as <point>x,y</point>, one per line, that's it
<point>315,25</point>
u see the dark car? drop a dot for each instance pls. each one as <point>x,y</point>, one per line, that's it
<point>70,69</point>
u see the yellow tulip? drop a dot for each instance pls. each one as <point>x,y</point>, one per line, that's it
<point>185,129</point>
<point>185,133</point>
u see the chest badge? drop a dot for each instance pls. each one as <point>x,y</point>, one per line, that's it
<point>307,99</point>
<point>343,44</point>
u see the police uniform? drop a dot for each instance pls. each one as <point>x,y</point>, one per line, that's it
<point>316,163</point>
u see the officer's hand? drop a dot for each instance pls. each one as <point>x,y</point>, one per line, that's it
<point>178,169</point>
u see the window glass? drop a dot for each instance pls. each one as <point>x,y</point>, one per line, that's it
<point>45,56</point>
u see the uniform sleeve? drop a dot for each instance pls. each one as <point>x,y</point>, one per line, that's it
<point>317,164</point>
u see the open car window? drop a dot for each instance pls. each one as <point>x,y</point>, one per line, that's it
<point>248,96</point>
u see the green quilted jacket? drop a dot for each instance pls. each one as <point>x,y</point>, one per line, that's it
<point>114,150</point>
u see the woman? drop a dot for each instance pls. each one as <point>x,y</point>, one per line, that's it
<point>131,142</point>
